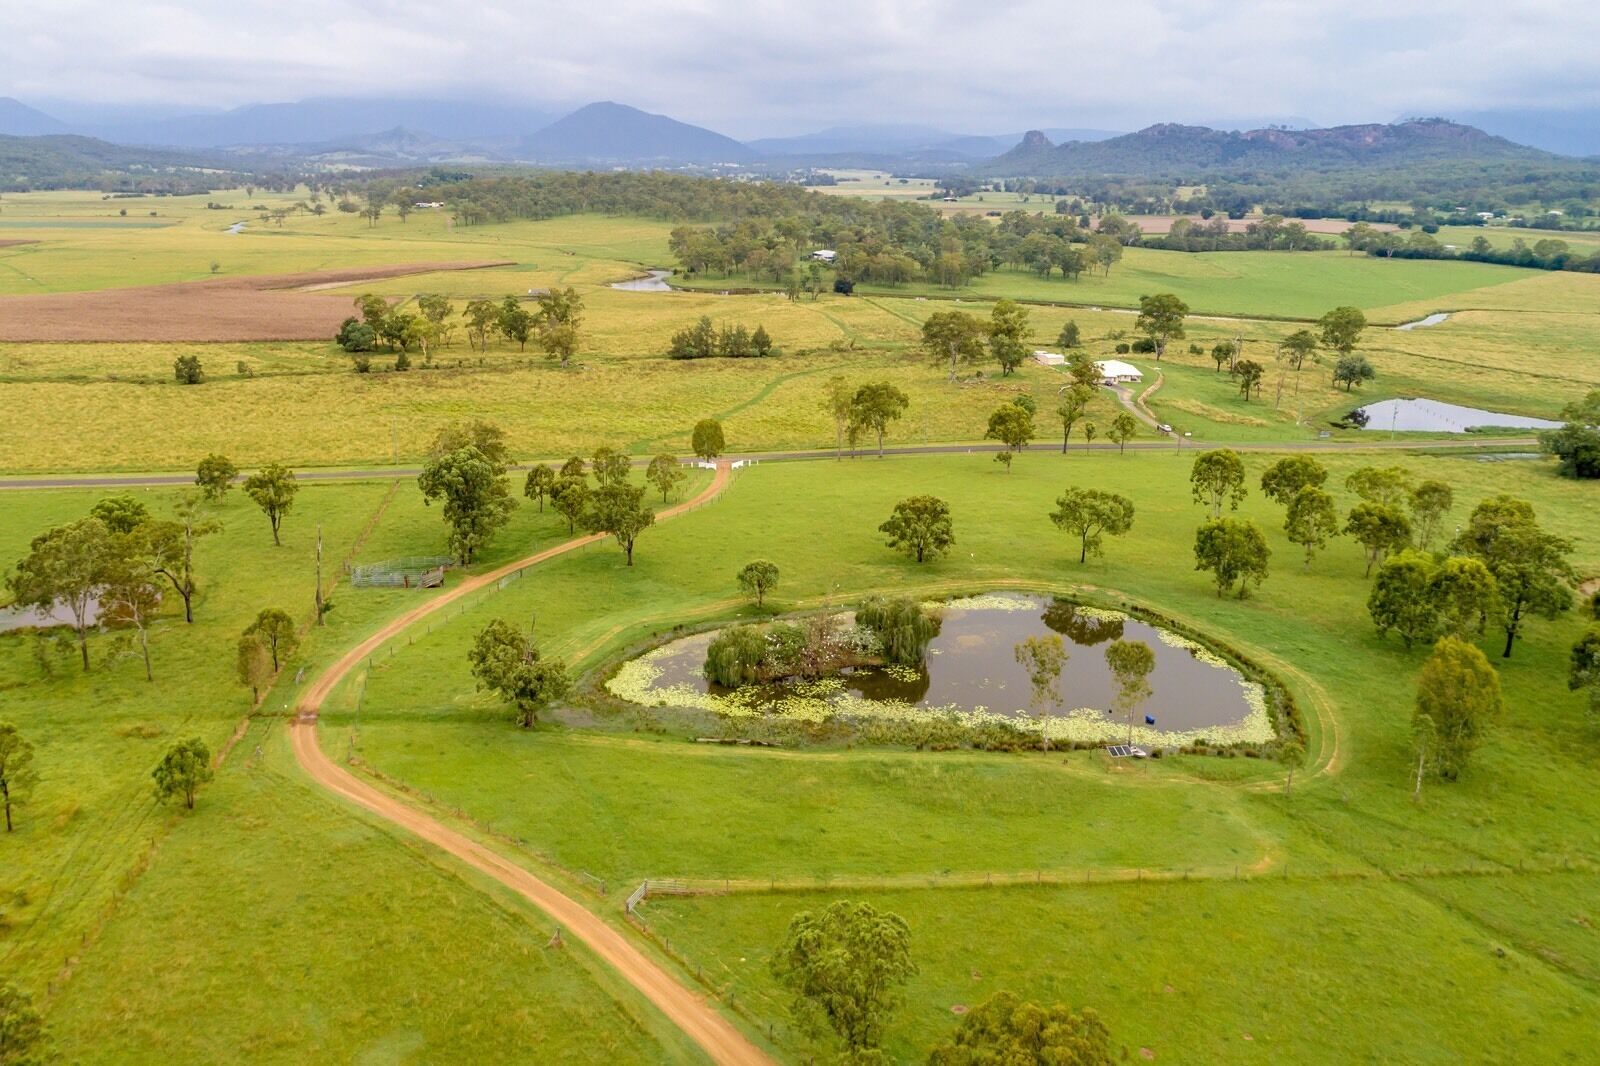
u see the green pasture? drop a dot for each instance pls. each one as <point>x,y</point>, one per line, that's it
<point>302,403</point>
<point>81,243</point>
<point>101,885</point>
<point>1291,285</point>
<point>1341,922</point>
<point>1260,971</point>
<point>1582,241</point>
<point>274,924</point>
<point>802,819</point>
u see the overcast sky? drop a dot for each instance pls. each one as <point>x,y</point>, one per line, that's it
<point>753,67</point>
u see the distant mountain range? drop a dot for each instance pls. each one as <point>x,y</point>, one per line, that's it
<point>1170,149</point>
<point>615,133</point>
<point>917,141</point>
<point>1574,132</point>
<point>407,132</point>
<point>17,119</point>
<point>315,121</point>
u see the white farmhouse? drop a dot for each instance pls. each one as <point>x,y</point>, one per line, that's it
<point>1116,372</point>
<point>1049,358</point>
<point>824,255</point>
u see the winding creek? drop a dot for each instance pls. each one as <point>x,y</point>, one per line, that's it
<point>655,281</point>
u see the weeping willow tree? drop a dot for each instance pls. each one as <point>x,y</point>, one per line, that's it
<point>734,657</point>
<point>903,625</point>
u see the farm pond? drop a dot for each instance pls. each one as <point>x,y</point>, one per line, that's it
<point>971,672</point>
<point>14,617</point>
<point>1436,416</point>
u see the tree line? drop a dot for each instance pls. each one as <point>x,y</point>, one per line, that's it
<point>733,341</point>
<point>1548,253</point>
<point>551,325</point>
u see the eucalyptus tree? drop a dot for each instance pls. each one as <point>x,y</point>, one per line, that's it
<point>65,566</point>
<point>1161,319</point>
<point>1531,571</point>
<point>666,474</point>
<point>1091,515</point>
<point>953,338</point>
<point>273,489</point>
<point>1131,663</point>
<point>874,407</point>
<point>476,494</point>
<point>1217,478</point>
<point>1070,409</point>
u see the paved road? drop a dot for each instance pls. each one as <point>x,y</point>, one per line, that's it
<point>110,481</point>
<point>686,1008</point>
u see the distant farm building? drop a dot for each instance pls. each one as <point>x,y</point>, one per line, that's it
<point>1049,358</point>
<point>423,205</point>
<point>1116,372</point>
<point>824,255</point>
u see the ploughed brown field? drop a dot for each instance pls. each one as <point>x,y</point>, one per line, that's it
<point>11,242</point>
<point>274,307</point>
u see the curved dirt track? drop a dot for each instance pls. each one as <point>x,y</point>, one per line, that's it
<point>688,1010</point>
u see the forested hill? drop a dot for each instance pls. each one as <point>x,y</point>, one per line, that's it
<point>1169,150</point>
<point>72,162</point>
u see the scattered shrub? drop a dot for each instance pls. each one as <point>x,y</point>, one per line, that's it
<point>356,336</point>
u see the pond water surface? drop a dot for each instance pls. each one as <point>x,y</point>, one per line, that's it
<point>1422,323</point>
<point>31,617</point>
<point>971,670</point>
<point>1434,416</point>
<point>656,281</point>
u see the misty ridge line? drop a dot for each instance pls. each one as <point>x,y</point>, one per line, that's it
<point>434,130</point>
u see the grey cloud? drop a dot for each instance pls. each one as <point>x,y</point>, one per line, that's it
<point>752,66</point>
